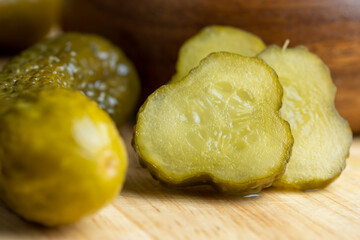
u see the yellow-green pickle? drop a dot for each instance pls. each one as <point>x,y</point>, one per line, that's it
<point>24,22</point>
<point>83,62</point>
<point>61,156</point>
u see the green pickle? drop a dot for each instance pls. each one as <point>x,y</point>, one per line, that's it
<point>61,156</point>
<point>87,63</point>
<point>219,125</point>
<point>24,22</point>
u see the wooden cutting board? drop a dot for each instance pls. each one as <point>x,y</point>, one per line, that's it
<point>146,210</point>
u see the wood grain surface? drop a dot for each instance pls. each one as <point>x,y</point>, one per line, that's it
<point>147,210</point>
<point>151,33</point>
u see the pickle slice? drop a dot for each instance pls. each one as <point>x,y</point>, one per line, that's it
<point>321,137</point>
<point>219,125</point>
<point>215,39</point>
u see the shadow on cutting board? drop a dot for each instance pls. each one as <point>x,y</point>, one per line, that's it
<point>140,182</point>
<point>14,227</point>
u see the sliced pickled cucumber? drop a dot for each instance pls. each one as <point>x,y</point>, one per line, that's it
<point>321,137</point>
<point>61,156</point>
<point>215,39</point>
<point>83,62</point>
<point>219,125</point>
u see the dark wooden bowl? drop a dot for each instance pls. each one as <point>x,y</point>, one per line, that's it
<point>151,33</point>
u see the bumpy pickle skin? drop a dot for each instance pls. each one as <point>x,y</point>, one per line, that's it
<point>322,138</point>
<point>215,39</point>
<point>61,157</point>
<point>83,62</point>
<point>219,125</point>
<point>24,22</point>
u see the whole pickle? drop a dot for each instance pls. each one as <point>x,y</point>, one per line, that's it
<point>24,22</point>
<point>87,63</point>
<point>61,156</point>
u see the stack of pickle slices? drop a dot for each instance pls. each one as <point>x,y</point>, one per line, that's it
<point>244,118</point>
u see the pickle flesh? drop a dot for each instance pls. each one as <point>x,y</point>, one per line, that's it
<point>219,125</point>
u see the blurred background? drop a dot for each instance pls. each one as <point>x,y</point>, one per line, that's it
<point>151,32</point>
